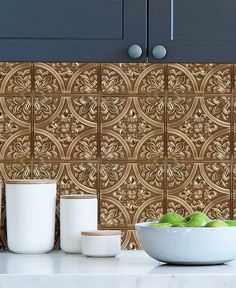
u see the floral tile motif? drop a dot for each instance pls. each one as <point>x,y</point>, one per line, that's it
<point>2,173</point>
<point>16,170</point>
<point>132,128</point>
<point>130,240</point>
<point>15,78</point>
<point>234,128</point>
<point>199,127</point>
<point>234,190</point>
<point>66,78</point>
<point>57,228</point>
<point>15,128</point>
<point>65,128</point>
<point>132,78</point>
<point>3,231</point>
<point>73,178</point>
<point>199,187</point>
<point>130,193</point>
<point>199,78</point>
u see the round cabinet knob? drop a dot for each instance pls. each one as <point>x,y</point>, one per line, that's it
<point>135,51</point>
<point>159,52</point>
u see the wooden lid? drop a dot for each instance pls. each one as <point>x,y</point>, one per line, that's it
<point>101,233</point>
<point>31,181</point>
<point>78,196</point>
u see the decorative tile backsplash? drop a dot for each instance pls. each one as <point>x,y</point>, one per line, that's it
<point>147,138</point>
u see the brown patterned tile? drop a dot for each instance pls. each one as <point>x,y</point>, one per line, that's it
<point>155,121</point>
<point>130,193</point>
<point>15,128</point>
<point>15,78</point>
<point>234,127</point>
<point>199,187</point>
<point>132,78</point>
<point>66,78</point>
<point>132,128</point>
<point>130,240</point>
<point>73,178</point>
<point>57,227</point>
<point>3,176</point>
<point>65,128</point>
<point>233,200</point>
<point>199,128</point>
<point>16,170</point>
<point>3,232</point>
<point>199,78</point>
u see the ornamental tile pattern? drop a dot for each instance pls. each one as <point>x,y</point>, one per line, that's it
<point>145,138</point>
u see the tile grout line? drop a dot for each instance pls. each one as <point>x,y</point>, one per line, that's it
<point>32,120</point>
<point>165,191</point>
<point>99,138</point>
<point>232,142</point>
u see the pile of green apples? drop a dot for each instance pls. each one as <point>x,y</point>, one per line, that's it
<point>196,219</point>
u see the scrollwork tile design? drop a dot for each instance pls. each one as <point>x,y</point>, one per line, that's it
<point>199,78</point>
<point>145,138</point>
<point>65,128</point>
<point>15,128</point>
<point>73,178</point>
<point>132,78</point>
<point>132,128</point>
<point>15,78</point>
<point>199,187</point>
<point>132,192</point>
<point>66,78</point>
<point>199,127</point>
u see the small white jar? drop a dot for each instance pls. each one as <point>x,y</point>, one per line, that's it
<point>31,208</point>
<point>77,213</point>
<point>101,243</point>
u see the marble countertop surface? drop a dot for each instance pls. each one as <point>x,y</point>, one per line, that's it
<point>131,269</point>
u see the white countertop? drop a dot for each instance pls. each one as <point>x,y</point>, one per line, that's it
<point>131,269</point>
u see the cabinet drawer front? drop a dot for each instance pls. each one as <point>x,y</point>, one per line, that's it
<point>203,20</point>
<point>61,19</point>
<point>73,30</point>
<point>193,30</point>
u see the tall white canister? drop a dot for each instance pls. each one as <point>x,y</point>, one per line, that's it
<point>31,207</point>
<point>77,213</point>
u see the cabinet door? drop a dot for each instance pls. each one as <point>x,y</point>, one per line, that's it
<point>72,30</point>
<point>192,30</point>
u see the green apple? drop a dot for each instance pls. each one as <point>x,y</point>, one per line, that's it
<point>196,219</point>
<point>179,225</point>
<point>171,218</point>
<point>231,223</point>
<point>159,225</point>
<point>216,223</point>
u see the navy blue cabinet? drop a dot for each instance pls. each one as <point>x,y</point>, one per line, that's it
<point>118,30</point>
<point>73,30</point>
<point>192,31</point>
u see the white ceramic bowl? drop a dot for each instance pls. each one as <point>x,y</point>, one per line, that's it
<point>188,246</point>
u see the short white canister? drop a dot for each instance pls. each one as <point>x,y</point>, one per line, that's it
<point>31,207</point>
<point>101,243</point>
<point>77,213</point>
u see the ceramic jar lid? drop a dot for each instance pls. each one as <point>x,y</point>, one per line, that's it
<point>78,196</point>
<point>101,233</point>
<point>31,181</point>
